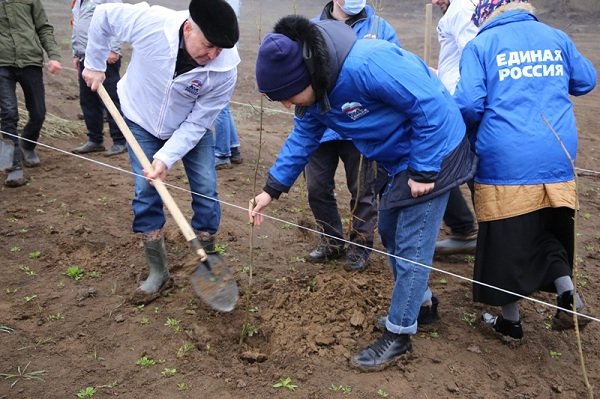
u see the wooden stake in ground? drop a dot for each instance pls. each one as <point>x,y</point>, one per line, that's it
<point>428,24</point>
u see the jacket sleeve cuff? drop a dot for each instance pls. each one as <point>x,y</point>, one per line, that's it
<point>274,188</point>
<point>422,177</point>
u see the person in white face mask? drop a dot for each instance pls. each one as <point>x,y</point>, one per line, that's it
<point>360,172</point>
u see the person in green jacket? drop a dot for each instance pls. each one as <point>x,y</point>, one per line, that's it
<point>24,36</point>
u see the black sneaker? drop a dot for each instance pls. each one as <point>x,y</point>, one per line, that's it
<point>564,320</point>
<point>383,352</point>
<point>326,251</point>
<point>357,259</point>
<point>508,329</point>
<point>428,314</point>
<point>236,156</point>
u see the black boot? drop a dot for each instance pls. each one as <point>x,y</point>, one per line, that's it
<point>509,329</point>
<point>564,320</point>
<point>428,314</point>
<point>383,352</point>
<point>328,249</point>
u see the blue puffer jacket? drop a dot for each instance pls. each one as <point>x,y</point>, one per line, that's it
<point>367,25</point>
<point>516,77</point>
<point>396,112</point>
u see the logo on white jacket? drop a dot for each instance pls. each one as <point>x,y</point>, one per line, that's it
<point>194,87</point>
<point>354,110</point>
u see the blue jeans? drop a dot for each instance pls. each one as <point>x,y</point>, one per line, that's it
<point>410,233</point>
<point>226,135</point>
<point>199,165</point>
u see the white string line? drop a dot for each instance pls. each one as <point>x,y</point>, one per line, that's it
<point>458,276</point>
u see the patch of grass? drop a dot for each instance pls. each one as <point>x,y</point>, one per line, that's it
<point>34,255</point>
<point>74,272</point>
<point>221,249</point>
<point>94,274</point>
<point>27,270</point>
<point>285,383</point>
<point>173,324</point>
<point>167,372</point>
<point>86,393</point>
<point>184,349</point>
<point>145,362</point>
<point>469,318</point>
<point>345,389</point>
<point>22,373</point>
<point>145,321</point>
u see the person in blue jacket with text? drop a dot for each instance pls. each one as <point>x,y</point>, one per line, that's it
<point>516,78</point>
<point>397,113</point>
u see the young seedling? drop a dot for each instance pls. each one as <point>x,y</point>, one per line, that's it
<point>221,249</point>
<point>167,372</point>
<point>245,270</point>
<point>27,270</point>
<point>94,274</point>
<point>86,393</point>
<point>145,321</point>
<point>173,324</point>
<point>55,316</point>
<point>249,330</point>
<point>34,254</point>
<point>345,389</point>
<point>285,383</point>
<point>22,373</point>
<point>145,362</point>
<point>470,319</point>
<point>184,349</point>
<point>16,248</point>
<point>104,200</point>
<point>555,355</point>
<point>30,298</point>
<point>40,210</point>
<point>382,393</point>
<point>182,386</point>
<point>74,272</point>
<point>6,329</point>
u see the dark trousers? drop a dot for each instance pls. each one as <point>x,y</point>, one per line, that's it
<point>93,109</point>
<point>320,174</point>
<point>458,217</point>
<point>31,81</point>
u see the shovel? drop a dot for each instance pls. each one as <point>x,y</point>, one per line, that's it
<point>212,279</point>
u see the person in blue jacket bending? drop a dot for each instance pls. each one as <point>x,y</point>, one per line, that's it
<point>397,113</point>
<point>516,78</point>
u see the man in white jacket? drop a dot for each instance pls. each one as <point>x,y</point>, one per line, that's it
<point>455,29</point>
<point>182,72</point>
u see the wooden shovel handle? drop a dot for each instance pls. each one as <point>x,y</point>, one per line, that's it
<point>181,221</point>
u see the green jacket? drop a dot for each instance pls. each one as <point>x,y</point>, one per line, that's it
<point>25,33</point>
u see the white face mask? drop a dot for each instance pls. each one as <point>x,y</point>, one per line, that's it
<point>353,7</point>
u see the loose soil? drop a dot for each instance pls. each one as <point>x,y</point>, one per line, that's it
<point>294,319</point>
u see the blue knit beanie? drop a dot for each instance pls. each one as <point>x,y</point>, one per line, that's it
<point>280,69</point>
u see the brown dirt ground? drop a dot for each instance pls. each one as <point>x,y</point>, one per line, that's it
<point>308,318</point>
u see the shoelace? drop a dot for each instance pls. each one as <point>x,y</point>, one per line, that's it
<point>383,343</point>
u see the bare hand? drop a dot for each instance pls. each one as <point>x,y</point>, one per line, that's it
<point>113,57</point>
<point>257,204</point>
<point>93,78</point>
<point>159,171</point>
<point>54,67</point>
<point>418,189</point>
<point>76,62</point>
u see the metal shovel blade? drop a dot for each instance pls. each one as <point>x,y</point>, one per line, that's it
<point>7,149</point>
<point>214,283</point>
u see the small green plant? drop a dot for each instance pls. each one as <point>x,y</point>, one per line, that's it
<point>173,324</point>
<point>580,280</point>
<point>74,272</point>
<point>104,200</point>
<point>145,321</point>
<point>182,386</point>
<point>286,226</point>
<point>382,393</point>
<point>30,298</point>
<point>94,274</point>
<point>6,329</point>
<point>34,255</point>
<point>27,270</point>
<point>16,248</point>
<point>298,259</point>
<point>469,318</point>
<point>184,349</point>
<point>11,290</point>
<point>345,389</point>
<point>586,215</point>
<point>434,334</point>
<point>55,316</point>
<point>23,231</point>
<point>87,392</point>
<point>442,281</point>
<point>470,259</point>
<point>249,330</point>
<point>285,383</point>
<point>40,210</point>
<point>60,285</point>
<point>555,355</point>
<point>167,372</point>
<point>22,373</point>
<point>221,249</point>
<point>145,362</point>
<point>246,270</point>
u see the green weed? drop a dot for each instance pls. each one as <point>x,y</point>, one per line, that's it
<point>86,393</point>
<point>145,362</point>
<point>74,272</point>
<point>285,383</point>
